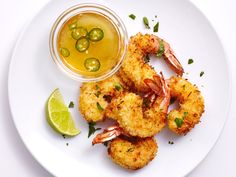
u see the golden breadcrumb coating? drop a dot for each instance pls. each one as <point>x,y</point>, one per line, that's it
<point>191,105</point>
<point>94,93</point>
<point>127,110</point>
<point>132,155</point>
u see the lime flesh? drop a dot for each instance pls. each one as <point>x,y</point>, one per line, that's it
<point>59,116</point>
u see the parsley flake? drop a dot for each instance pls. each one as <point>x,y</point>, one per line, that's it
<point>132,16</point>
<point>179,122</point>
<point>130,150</point>
<point>92,128</point>
<point>105,143</point>
<point>156,27</point>
<point>171,142</point>
<point>190,61</point>
<point>161,49</point>
<point>146,23</point>
<point>201,73</point>
<point>100,108</point>
<point>185,115</point>
<point>118,86</point>
<point>98,93</point>
<point>71,104</point>
<point>146,59</point>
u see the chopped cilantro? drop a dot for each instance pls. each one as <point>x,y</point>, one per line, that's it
<point>190,61</point>
<point>132,16</point>
<point>155,16</point>
<point>105,143</point>
<point>156,27</point>
<point>201,73</point>
<point>130,150</point>
<point>100,108</point>
<point>146,23</point>
<point>71,104</point>
<point>146,103</point>
<point>146,59</point>
<point>118,86</point>
<point>171,142</point>
<point>97,87</point>
<point>161,49</point>
<point>185,115</point>
<point>92,128</point>
<point>179,122</point>
<point>98,93</point>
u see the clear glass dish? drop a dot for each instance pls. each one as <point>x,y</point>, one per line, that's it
<point>83,8</point>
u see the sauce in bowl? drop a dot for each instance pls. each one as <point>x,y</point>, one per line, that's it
<point>89,44</point>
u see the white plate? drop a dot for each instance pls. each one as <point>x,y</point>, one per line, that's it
<point>33,76</point>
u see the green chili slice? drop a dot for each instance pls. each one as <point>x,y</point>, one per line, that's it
<point>65,52</point>
<point>96,34</point>
<point>92,64</point>
<point>82,44</point>
<point>79,32</point>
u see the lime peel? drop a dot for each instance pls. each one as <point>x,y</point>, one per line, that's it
<point>59,116</point>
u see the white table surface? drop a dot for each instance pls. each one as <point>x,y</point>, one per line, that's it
<point>15,158</point>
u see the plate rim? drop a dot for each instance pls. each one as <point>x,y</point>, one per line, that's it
<point>228,100</point>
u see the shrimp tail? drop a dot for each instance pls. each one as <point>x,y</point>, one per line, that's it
<point>108,134</point>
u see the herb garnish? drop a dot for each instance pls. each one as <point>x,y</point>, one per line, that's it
<point>185,115</point>
<point>146,59</point>
<point>92,128</point>
<point>146,103</point>
<point>118,86</point>
<point>171,142</point>
<point>201,73</point>
<point>146,23</point>
<point>105,143</point>
<point>97,87</point>
<point>179,122</point>
<point>130,150</point>
<point>190,61</point>
<point>71,104</point>
<point>132,16</point>
<point>98,93</point>
<point>156,27</point>
<point>100,108</point>
<point>161,49</point>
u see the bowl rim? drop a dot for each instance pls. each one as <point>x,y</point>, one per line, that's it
<point>53,37</point>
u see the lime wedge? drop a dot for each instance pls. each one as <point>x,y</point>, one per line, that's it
<point>58,115</point>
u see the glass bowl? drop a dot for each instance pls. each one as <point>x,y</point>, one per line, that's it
<point>91,8</point>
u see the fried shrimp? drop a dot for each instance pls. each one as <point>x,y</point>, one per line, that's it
<point>126,151</point>
<point>134,70</point>
<point>94,97</point>
<point>133,154</point>
<point>137,118</point>
<point>191,105</point>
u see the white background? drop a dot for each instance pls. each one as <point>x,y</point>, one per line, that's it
<point>15,158</point>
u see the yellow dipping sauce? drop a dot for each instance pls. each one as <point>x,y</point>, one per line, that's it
<point>106,50</point>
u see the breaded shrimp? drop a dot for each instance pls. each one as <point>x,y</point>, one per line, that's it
<point>191,105</point>
<point>136,119</point>
<point>94,97</point>
<point>132,154</point>
<point>134,70</point>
